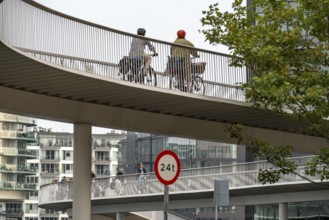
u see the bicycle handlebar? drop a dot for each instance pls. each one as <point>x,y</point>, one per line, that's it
<point>197,56</point>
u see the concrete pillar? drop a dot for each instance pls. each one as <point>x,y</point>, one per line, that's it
<point>82,172</point>
<point>283,211</point>
<point>120,216</point>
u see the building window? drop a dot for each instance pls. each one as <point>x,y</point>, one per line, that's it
<point>50,154</point>
<point>34,166</point>
<point>67,155</point>
<point>49,168</point>
<point>13,207</point>
<point>32,179</point>
<point>102,155</point>
<point>103,144</point>
<point>102,169</point>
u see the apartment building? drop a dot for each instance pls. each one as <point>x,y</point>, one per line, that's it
<point>16,133</point>
<point>55,162</point>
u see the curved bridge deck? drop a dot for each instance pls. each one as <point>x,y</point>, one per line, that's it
<point>194,188</point>
<point>68,71</point>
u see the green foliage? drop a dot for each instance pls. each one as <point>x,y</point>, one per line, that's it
<point>319,165</point>
<point>286,46</point>
<point>263,150</point>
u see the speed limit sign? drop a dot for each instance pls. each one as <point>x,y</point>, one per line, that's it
<point>167,167</point>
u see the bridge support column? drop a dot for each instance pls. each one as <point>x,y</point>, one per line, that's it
<point>120,216</point>
<point>283,211</point>
<point>81,172</point>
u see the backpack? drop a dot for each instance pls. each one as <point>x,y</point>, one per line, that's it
<point>124,65</point>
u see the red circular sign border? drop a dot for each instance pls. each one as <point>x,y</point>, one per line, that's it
<point>163,153</point>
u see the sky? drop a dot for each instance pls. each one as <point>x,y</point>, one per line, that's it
<point>160,18</point>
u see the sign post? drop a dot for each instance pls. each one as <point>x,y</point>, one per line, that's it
<point>221,194</point>
<point>167,170</point>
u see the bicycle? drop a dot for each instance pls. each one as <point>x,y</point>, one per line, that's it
<point>132,69</point>
<point>176,81</point>
<point>119,187</point>
<point>143,186</point>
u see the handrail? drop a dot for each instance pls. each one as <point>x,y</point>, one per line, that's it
<point>190,180</point>
<point>66,61</point>
<point>94,48</point>
<point>42,7</point>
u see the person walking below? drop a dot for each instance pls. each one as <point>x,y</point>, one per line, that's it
<point>119,189</point>
<point>142,178</point>
<point>138,46</point>
<point>184,53</point>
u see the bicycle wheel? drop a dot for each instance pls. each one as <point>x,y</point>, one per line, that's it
<point>171,82</point>
<point>198,86</point>
<point>151,78</point>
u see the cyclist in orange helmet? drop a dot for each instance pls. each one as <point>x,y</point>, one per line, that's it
<point>184,53</point>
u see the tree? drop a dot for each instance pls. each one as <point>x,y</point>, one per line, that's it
<point>285,44</point>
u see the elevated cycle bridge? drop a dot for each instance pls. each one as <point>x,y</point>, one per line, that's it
<point>194,189</point>
<point>62,68</point>
<point>58,67</point>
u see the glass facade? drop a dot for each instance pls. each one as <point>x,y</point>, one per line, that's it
<point>318,210</point>
<point>191,152</point>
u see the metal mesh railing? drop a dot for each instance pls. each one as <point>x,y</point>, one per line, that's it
<point>84,46</point>
<point>190,180</point>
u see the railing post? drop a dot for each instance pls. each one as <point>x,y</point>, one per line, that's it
<point>283,211</point>
<point>82,172</point>
<point>120,216</point>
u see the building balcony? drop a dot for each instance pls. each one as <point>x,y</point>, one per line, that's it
<point>50,172</point>
<point>31,154</point>
<point>49,213</point>
<point>18,119</point>
<point>10,151</point>
<point>26,169</point>
<point>8,134</point>
<point>31,211</point>
<point>4,134</point>
<point>12,213</point>
<point>102,146</point>
<point>68,172</point>
<point>46,146</point>
<point>50,159</point>
<point>29,137</point>
<point>17,169</point>
<point>102,159</point>
<point>11,185</point>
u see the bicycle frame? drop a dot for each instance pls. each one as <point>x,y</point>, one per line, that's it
<point>132,68</point>
<point>177,81</point>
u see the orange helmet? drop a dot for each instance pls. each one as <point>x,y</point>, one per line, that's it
<point>181,34</point>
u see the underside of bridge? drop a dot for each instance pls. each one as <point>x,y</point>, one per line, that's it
<point>38,89</point>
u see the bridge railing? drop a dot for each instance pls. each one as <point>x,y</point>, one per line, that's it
<point>77,44</point>
<point>190,180</point>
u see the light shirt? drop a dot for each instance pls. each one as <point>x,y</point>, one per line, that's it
<point>138,46</point>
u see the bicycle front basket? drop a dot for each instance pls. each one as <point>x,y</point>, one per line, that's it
<point>199,67</point>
